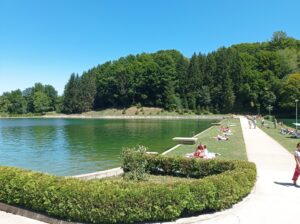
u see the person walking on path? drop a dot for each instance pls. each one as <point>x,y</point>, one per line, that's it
<point>275,122</point>
<point>254,121</point>
<point>297,169</point>
<point>249,121</point>
<point>262,122</point>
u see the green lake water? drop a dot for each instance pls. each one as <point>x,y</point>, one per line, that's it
<point>76,146</point>
<point>288,121</point>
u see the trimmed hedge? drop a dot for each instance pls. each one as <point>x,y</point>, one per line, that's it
<point>222,184</point>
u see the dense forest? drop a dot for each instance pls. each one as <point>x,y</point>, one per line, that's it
<point>247,77</point>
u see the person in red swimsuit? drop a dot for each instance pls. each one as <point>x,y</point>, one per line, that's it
<point>199,153</point>
<point>297,169</point>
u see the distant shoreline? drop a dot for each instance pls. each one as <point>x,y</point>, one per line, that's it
<point>133,117</point>
<point>159,117</point>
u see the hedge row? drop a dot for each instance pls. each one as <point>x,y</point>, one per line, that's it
<point>111,201</point>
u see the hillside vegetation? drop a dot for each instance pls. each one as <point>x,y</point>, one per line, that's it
<point>247,77</point>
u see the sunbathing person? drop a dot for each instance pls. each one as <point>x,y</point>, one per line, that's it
<point>209,155</point>
<point>199,153</point>
<point>284,130</point>
<point>222,138</point>
<point>226,130</point>
<point>202,152</point>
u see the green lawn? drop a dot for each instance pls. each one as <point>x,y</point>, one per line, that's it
<point>285,140</point>
<point>234,148</point>
<point>158,179</point>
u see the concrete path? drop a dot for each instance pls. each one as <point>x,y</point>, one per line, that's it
<point>274,200</point>
<point>8,218</point>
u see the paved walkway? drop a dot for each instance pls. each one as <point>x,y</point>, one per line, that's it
<point>275,200</point>
<point>8,218</point>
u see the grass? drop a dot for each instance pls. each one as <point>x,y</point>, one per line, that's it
<point>157,179</point>
<point>131,111</point>
<point>234,148</point>
<point>137,111</point>
<point>140,111</point>
<point>286,141</point>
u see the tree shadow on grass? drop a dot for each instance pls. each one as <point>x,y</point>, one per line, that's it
<point>288,184</point>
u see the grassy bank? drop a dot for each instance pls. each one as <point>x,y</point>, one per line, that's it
<point>285,140</point>
<point>132,112</point>
<point>135,112</point>
<point>234,148</point>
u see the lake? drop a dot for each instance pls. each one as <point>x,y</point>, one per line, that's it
<point>288,121</point>
<point>77,146</point>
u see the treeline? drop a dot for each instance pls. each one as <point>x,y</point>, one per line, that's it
<point>249,77</point>
<point>37,99</point>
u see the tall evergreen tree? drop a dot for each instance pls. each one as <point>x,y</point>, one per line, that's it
<point>86,92</point>
<point>71,93</point>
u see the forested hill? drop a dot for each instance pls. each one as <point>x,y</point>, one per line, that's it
<point>248,77</point>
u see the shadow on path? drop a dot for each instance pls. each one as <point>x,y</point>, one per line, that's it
<point>286,184</point>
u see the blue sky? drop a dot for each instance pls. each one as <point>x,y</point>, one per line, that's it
<point>46,40</point>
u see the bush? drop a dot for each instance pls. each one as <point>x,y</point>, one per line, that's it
<point>269,117</point>
<point>134,163</point>
<point>221,184</point>
<point>138,105</point>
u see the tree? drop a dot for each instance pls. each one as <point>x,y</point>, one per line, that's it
<point>52,95</point>
<point>86,92</point>
<point>17,103</point>
<point>290,91</point>
<point>289,58</point>
<point>41,102</point>
<point>194,81</point>
<point>268,98</point>
<point>278,36</point>
<point>5,104</point>
<point>71,93</point>
<point>222,93</point>
<point>28,94</point>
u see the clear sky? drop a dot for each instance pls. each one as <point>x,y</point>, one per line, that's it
<point>46,40</point>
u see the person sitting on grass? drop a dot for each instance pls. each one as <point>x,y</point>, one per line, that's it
<point>199,153</point>
<point>225,130</point>
<point>202,152</point>
<point>209,155</point>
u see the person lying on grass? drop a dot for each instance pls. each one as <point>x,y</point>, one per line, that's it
<point>221,138</point>
<point>225,130</point>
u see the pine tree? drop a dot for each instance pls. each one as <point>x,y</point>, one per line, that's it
<point>71,93</point>
<point>86,93</point>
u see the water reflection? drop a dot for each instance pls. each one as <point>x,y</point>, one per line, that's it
<point>74,146</point>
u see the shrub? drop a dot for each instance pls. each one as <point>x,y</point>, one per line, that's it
<point>217,184</point>
<point>268,117</point>
<point>138,105</point>
<point>135,163</point>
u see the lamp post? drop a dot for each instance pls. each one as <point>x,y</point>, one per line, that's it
<point>296,101</point>
<point>269,108</point>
